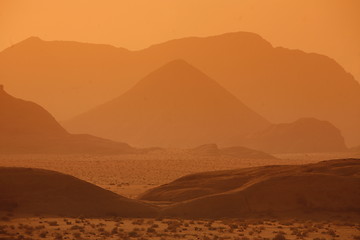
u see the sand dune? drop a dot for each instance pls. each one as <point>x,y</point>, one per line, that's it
<point>44,192</point>
<point>175,106</point>
<point>324,187</point>
<point>26,127</point>
<point>280,84</point>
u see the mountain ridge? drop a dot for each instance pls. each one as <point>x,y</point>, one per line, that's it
<point>279,83</point>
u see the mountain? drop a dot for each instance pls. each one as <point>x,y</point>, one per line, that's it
<point>26,127</point>
<point>282,85</point>
<point>36,191</point>
<point>174,106</point>
<point>66,78</point>
<point>306,135</point>
<point>328,187</point>
<point>22,117</point>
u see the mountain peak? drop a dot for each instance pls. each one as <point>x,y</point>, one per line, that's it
<point>175,66</point>
<point>32,40</point>
<point>175,74</point>
<point>178,62</point>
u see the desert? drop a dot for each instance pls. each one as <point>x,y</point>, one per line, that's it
<point>163,120</point>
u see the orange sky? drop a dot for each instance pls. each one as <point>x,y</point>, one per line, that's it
<point>330,27</point>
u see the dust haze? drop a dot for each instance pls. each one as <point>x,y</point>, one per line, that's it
<point>180,120</point>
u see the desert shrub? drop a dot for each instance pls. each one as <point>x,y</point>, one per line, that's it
<point>279,236</point>
<point>151,230</point>
<point>150,222</point>
<point>53,223</point>
<point>43,234</point>
<point>138,222</point>
<point>114,230</point>
<point>39,227</point>
<point>133,234</point>
<point>332,233</point>
<point>77,235</point>
<point>105,233</point>
<point>58,236</point>
<point>76,227</point>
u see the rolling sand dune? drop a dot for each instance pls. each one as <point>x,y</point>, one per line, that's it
<point>25,127</point>
<point>174,106</point>
<point>44,192</point>
<point>280,84</point>
<point>328,186</point>
<point>306,135</point>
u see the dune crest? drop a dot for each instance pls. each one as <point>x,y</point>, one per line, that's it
<point>32,191</point>
<point>278,190</point>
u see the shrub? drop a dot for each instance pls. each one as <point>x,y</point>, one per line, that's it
<point>279,236</point>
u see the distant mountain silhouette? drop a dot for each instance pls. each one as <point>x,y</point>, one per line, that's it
<point>305,135</point>
<point>310,190</point>
<point>66,78</point>
<point>36,191</point>
<point>280,84</point>
<point>174,106</point>
<point>25,127</point>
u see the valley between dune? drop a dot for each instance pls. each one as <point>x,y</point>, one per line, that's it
<point>130,175</point>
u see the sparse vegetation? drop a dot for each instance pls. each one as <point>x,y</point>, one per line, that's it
<point>167,229</point>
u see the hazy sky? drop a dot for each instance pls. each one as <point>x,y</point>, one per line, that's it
<point>330,27</point>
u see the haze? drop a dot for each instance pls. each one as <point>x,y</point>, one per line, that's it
<point>179,119</point>
<point>328,27</point>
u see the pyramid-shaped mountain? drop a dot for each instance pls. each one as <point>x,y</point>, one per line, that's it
<point>174,106</point>
<point>26,127</point>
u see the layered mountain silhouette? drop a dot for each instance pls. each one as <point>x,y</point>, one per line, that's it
<point>279,190</point>
<point>174,106</point>
<point>306,135</point>
<point>280,84</point>
<point>25,127</point>
<point>36,191</point>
